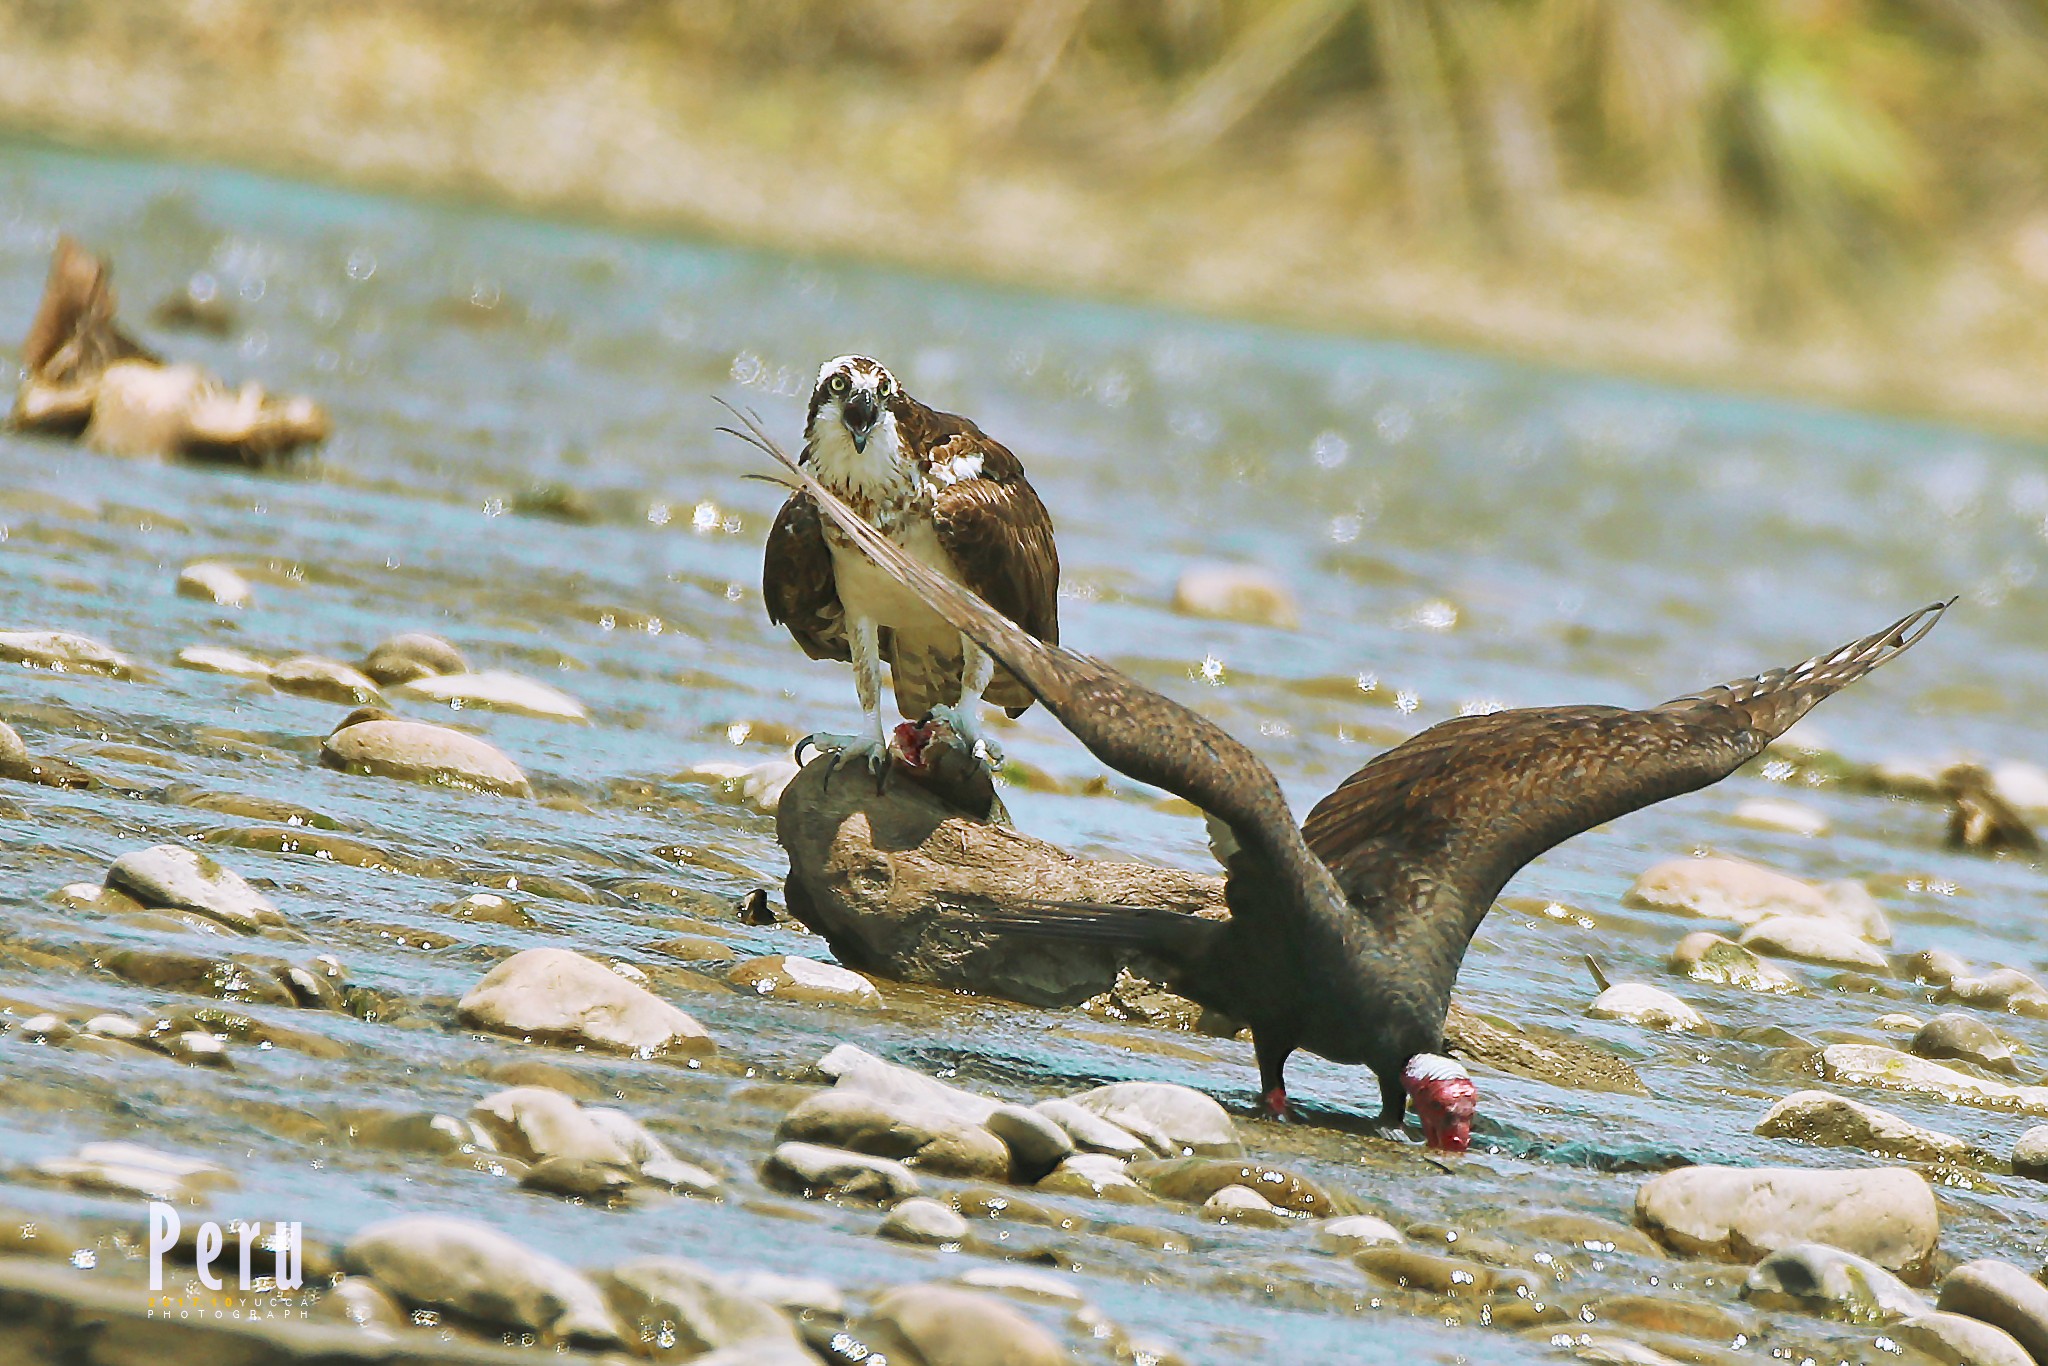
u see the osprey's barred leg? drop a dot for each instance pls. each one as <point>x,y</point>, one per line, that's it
<point>865,639</point>
<point>977,670</point>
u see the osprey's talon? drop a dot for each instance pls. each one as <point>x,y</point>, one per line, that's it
<point>823,741</point>
<point>961,718</point>
<point>873,754</point>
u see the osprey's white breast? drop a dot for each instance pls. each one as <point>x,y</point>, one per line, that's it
<point>886,488</point>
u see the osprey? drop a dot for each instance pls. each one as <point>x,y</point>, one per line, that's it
<point>950,497</point>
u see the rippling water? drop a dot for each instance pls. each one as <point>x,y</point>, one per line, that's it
<point>1460,532</point>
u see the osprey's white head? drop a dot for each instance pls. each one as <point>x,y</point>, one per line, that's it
<point>850,432</point>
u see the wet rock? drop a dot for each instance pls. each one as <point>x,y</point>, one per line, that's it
<point>1833,1121</point>
<point>376,743</point>
<point>579,1178</point>
<point>229,979</point>
<point>1814,939</point>
<point>412,655</point>
<point>1676,1316</point>
<point>1354,1233</point>
<point>1789,818</point>
<point>323,680</point>
<point>1860,1064</point>
<point>1193,1180</point>
<point>1731,889</point>
<point>2002,1295</point>
<point>1955,1340</point>
<point>810,1170</point>
<point>62,652</point>
<point>1651,1007</point>
<point>17,763</point>
<point>1708,957</point>
<point>1898,1020</point>
<point>918,1136</point>
<point>488,908</point>
<point>1093,1174</point>
<point>1236,592</point>
<point>855,1070</point>
<point>1979,818</point>
<point>1411,1269</point>
<point>482,1275</point>
<point>2000,989</point>
<point>789,978</point>
<point>1546,1055</point>
<point>533,1123</point>
<point>890,880</point>
<point>496,691</point>
<point>926,1221</point>
<point>1965,1038</point>
<point>682,1310</point>
<point>1037,1144</point>
<point>2030,1154</point>
<point>1744,1213</point>
<point>1937,967</point>
<point>173,877</point>
<point>218,584</point>
<point>209,659</point>
<point>131,1169</point>
<point>1584,1231</point>
<point>1243,1205</point>
<point>1814,1278</point>
<point>1090,1131</point>
<point>1603,1349</point>
<point>957,1327</point>
<point>556,996</point>
<point>1172,1120</point>
<point>1033,1284</point>
<point>441,1135</point>
<point>360,1304</point>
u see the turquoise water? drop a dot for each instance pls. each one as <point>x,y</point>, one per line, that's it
<point>1464,530</point>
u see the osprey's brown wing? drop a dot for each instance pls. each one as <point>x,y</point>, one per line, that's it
<point>797,582</point>
<point>1466,803</point>
<point>990,521</point>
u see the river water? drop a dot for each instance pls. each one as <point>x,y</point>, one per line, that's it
<point>1459,532</point>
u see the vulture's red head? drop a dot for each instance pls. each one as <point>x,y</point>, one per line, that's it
<point>1444,1098</point>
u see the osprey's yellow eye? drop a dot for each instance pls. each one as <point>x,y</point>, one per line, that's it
<point>882,389</point>
<point>837,384</point>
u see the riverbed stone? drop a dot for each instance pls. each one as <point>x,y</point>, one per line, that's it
<point>63,652</point>
<point>1964,1038</point>
<point>210,581</point>
<point>533,1123</point>
<point>1642,1004</point>
<point>1236,592</point>
<point>1860,1064</point>
<point>1037,1144</point>
<point>211,659</point>
<point>1093,1174</point>
<point>1413,1269</point>
<point>854,1069</point>
<point>812,1170</point>
<point>1708,957</point>
<point>496,690</point>
<point>135,1170</point>
<point>411,655</point>
<point>958,1327</point>
<point>2006,989</point>
<point>1090,1131</point>
<point>374,742</point>
<point>1193,1180</point>
<point>1733,889</point>
<point>560,997</point>
<point>921,1219</point>
<point>1817,1279</point>
<point>918,1136</point>
<point>1937,967</point>
<point>439,1262</point>
<point>2030,1154</point>
<point>1814,939</point>
<point>1957,1340</point>
<point>1351,1233</point>
<point>787,977</point>
<point>1832,1121</point>
<point>2004,1296</point>
<point>323,680</point>
<point>1887,1214</point>
<point>891,881</point>
<point>175,877</point>
<point>358,1302</point>
<point>680,1310</point>
<point>1171,1119</point>
<point>1775,813</point>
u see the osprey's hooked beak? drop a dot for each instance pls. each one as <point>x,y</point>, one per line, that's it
<point>860,413</point>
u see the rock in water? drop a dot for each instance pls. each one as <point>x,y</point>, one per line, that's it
<point>2002,1295</point>
<point>1962,1341</point>
<point>684,1306</point>
<point>173,877</point>
<point>1819,1279</point>
<point>1730,889</point>
<point>411,655</point>
<point>496,690</point>
<point>1886,1214</point>
<point>881,876</point>
<point>1837,1122</point>
<point>63,652</point>
<point>556,996</point>
<point>375,742</point>
<point>1236,592</point>
<point>2030,1154</point>
<point>483,1275</point>
<point>939,1323</point>
<point>219,584</point>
